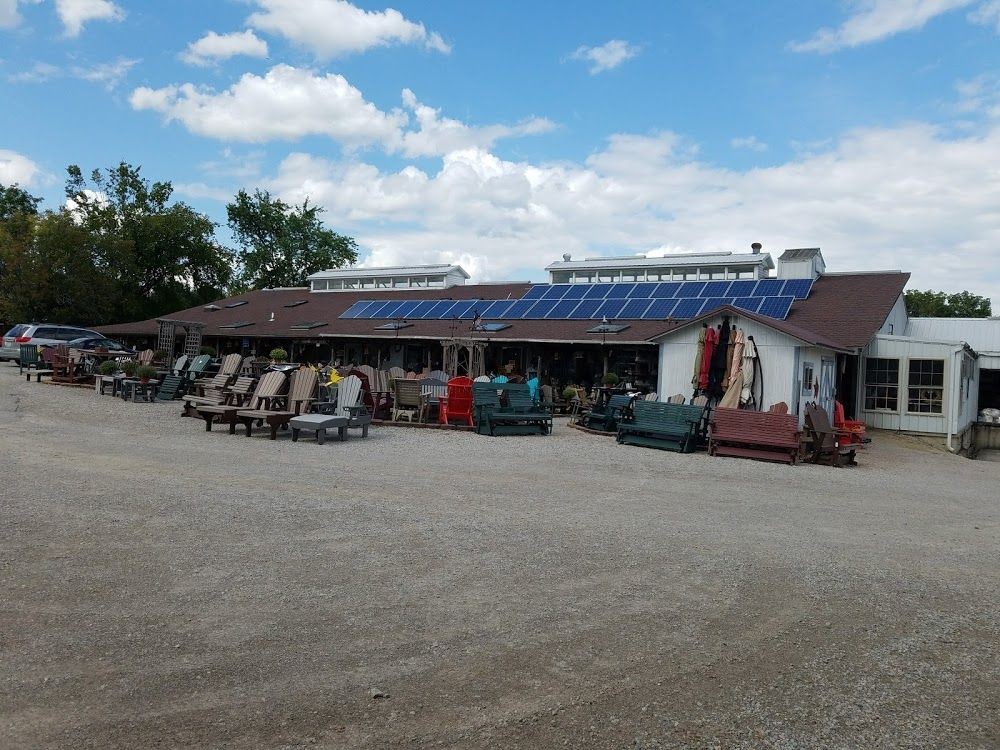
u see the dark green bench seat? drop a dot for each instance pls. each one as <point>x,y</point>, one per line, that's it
<point>606,418</point>
<point>673,427</point>
<point>521,416</point>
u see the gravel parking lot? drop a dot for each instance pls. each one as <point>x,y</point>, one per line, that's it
<point>168,587</point>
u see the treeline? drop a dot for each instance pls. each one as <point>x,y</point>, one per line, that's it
<point>932,304</point>
<point>121,249</point>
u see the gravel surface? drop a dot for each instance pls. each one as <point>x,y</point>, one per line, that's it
<point>165,587</point>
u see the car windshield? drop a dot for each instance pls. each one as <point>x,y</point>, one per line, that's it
<point>16,330</point>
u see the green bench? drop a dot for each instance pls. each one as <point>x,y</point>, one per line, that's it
<point>607,417</point>
<point>520,416</point>
<point>672,427</point>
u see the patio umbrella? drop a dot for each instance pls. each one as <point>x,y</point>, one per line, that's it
<point>736,359</point>
<point>747,369</point>
<point>711,341</point>
<point>729,358</point>
<point>697,358</point>
<point>731,399</point>
<point>717,370</point>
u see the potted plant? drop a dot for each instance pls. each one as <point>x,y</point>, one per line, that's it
<point>129,367</point>
<point>145,373</point>
<point>569,393</point>
<point>108,367</point>
<point>278,356</point>
<point>209,350</point>
<point>160,355</point>
<point>610,380</point>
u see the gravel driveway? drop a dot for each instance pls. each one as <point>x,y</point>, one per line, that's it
<point>166,587</point>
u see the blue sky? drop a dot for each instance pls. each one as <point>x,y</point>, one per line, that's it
<point>501,135</point>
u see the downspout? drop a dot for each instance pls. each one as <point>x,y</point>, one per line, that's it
<point>953,395</point>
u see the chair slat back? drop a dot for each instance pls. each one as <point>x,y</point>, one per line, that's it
<point>438,375</point>
<point>145,356</point>
<point>348,394</point>
<point>304,384</point>
<point>397,373</point>
<point>198,365</point>
<point>270,385</point>
<point>231,365</point>
<point>482,379</point>
<point>677,398</point>
<point>407,393</point>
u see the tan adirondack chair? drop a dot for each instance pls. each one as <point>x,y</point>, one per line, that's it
<point>279,409</point>
<point>406,400</point>
<point>270,386</point>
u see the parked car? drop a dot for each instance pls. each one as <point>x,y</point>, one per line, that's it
<point>40,334</point>
<point>88,342</point>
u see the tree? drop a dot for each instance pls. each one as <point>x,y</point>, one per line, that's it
<point>161,256</point>
<point>931,304</point>
<point>280,245</point>
<point>15,201</point>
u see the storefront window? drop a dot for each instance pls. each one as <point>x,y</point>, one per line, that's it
<point>925,394</point>
<point>882,384</point>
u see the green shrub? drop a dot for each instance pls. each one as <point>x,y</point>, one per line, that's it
<point>209,350</point>
<point>129,367</point>
<point>160,355</point>
<point>145,372</point>
<point>278,355</point>
<point>610,379</point>
<point>108,367</point>
<point>569,393</point>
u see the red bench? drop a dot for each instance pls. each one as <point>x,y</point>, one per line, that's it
<point>752,434</point>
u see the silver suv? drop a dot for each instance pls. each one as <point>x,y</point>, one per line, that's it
<point>39,334</point>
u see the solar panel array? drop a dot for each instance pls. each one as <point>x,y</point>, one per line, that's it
<point>640,301</point>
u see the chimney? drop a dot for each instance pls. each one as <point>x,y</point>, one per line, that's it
<point>756,247</point>
<point>567,257</point>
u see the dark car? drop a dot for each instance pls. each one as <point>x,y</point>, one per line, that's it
<point>99,343</point>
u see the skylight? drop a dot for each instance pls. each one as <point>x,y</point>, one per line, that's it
<point>212,308</point>
<point>393,326</point>
<point>607,328</point>
<point>296,303</point>
<point>238,324</point>
<point>308,326</point>
<point>238,303</point>
<point>490,327</point>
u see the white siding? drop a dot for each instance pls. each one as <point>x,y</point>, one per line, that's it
<point>896,321</point>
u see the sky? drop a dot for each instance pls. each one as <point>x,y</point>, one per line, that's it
<point>500,135</point>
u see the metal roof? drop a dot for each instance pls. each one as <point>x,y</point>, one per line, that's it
<point>665,261</point>
<point>381,271</point>
<point>800,253</point>
<point>982,334</point>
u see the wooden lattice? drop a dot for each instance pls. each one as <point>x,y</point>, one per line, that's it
<point>168,337</point>
<point>464,357</point>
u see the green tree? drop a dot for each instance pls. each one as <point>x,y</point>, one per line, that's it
<point>160,256</point>
<point>280,245</point>
<point>931,304</point>
<point>15,202</point>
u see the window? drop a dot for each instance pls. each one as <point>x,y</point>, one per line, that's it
<point>807,378</point>
<point>319,285</point>
<point>688,274</point>
<point>629,276</point>
<point>560,277</point>
<point>382,283</point>
<point>715,275</point>
<point>335,285</point>
<point>882,384</point>
<point>607,276</point>
<point>400,282</point>
<point>435,281</point>
<point>582,277</point>
<point>925,394</point>
<point>751,274</point>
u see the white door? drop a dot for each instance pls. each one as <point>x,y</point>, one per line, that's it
<point>827,381</point>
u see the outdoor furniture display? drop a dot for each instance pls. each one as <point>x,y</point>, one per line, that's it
<point>278,410</point>
<point>754,434</point>
<point>198,366</point>
<point>65,367</point>
<point>518,417</point>
<point>669,426</point>
<point>38,375</point>
<point>270,385</point>
<point>457,404</point>
<point>829,445</point>
<point>432,391</point>
<point>654,396</point>
<point>349,404</point>
<point>437,375</point>
<point>171,387</point>
<point>318,423</point>
<point>28,358</point>
<point>677,398</point>
<point>146,357</point>
<point>235,394</point>
<point>606,417</point>
<point>406,401</point>
<point>779,408</point>
<point>135,390</point>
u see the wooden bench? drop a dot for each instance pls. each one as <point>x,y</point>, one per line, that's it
<point>519,417</point>
<point>606,418</point>
<point>674,427</point>
<point>38,375</point>
<point>753,434</point>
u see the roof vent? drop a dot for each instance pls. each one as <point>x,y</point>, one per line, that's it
<point>756,247</point>
<point>567,257</point>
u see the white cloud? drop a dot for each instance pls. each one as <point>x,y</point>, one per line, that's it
<point>287,103</point>
<point>202,190</point>
<point>980,95</point>
<point>290,103</point>
<point>750,143</point>
<point>17,168</point>
<point>874,20</point>
<point>877,198</point>
<point>213,47</point>
<point>37,73</point>
<point>108,74</point>
<point>987,14</point>
<point>607,56</point>
<point>331,28</point>
<point>75,13</point>
<point>9,16</point>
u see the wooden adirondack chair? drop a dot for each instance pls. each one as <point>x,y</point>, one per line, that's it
<point>220,390</point>
<point>779,408</point>
<point>272,384</point>
<point>172,386</point>
<point>397,373</point>
<point>366,389</point>
<point>349,404</point>
<point>65,367</point>
<point>438,375</point>
<point>198,366</point>
<point>653,396</point>
<point>458,404</point>
<point>829,445</point>
<point>146,357</point>
<point>28,358</point>
<point>278,410</point>
<point>180,364</point>
<point>677,398</point>
<point>406,400</point>
<point>231,365</point>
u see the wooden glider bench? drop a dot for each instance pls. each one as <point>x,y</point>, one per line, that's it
<point>37,374</point>
<point>672,427</point>
<point>752,434</point>
<point>519,417</point>
<point>607,418</point>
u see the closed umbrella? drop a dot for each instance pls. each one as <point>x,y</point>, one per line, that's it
<point>731,399</point>
<point>711,341</point>
<point>747,369</point>
<point>697,358</point>
<point>739,341</point>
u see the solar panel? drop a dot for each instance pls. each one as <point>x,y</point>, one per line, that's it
<point>495,309</point>
<point>556,291</point>
<point>422,308</point>
<point>575,291</point>
<point>536,291</point>
<point>620,291</point>
<point>715,289</point>
<point>798,288</point>
<point>354,310</point>
<point>666,290</point>
<point>439,310</point>
<point>586,309</point>
<point>713,303</point>
<point>751,304</point>
<point>404,310</point>
<point>768,288</point>
<point>540,309</point>
<point>643,291</point>
<point>375,307</point>
<point>691,289</point>
<point>742,288</point>
<point>660,309</point>
<point>776,307</point>
<point>598,291</point>
<point>465,309</point>
<point>611,309</point>
<point>562,309</point>
<point>688,307</point>
<point>519,308</point>
<point>634,309</point>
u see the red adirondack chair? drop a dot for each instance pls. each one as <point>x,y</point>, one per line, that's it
<point>458,405</point>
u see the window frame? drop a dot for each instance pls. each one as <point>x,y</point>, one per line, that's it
<point>925,387</point>
<point>879,384</point>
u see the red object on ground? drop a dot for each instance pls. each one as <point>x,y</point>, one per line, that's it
<point>838,414</point>
<point>459,402</point>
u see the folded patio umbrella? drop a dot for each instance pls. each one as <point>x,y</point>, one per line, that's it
<point>711,341</point>
<point>736,359</point>
<point>731,399</point>
<point>749,359</point>
<point>697,358</point>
